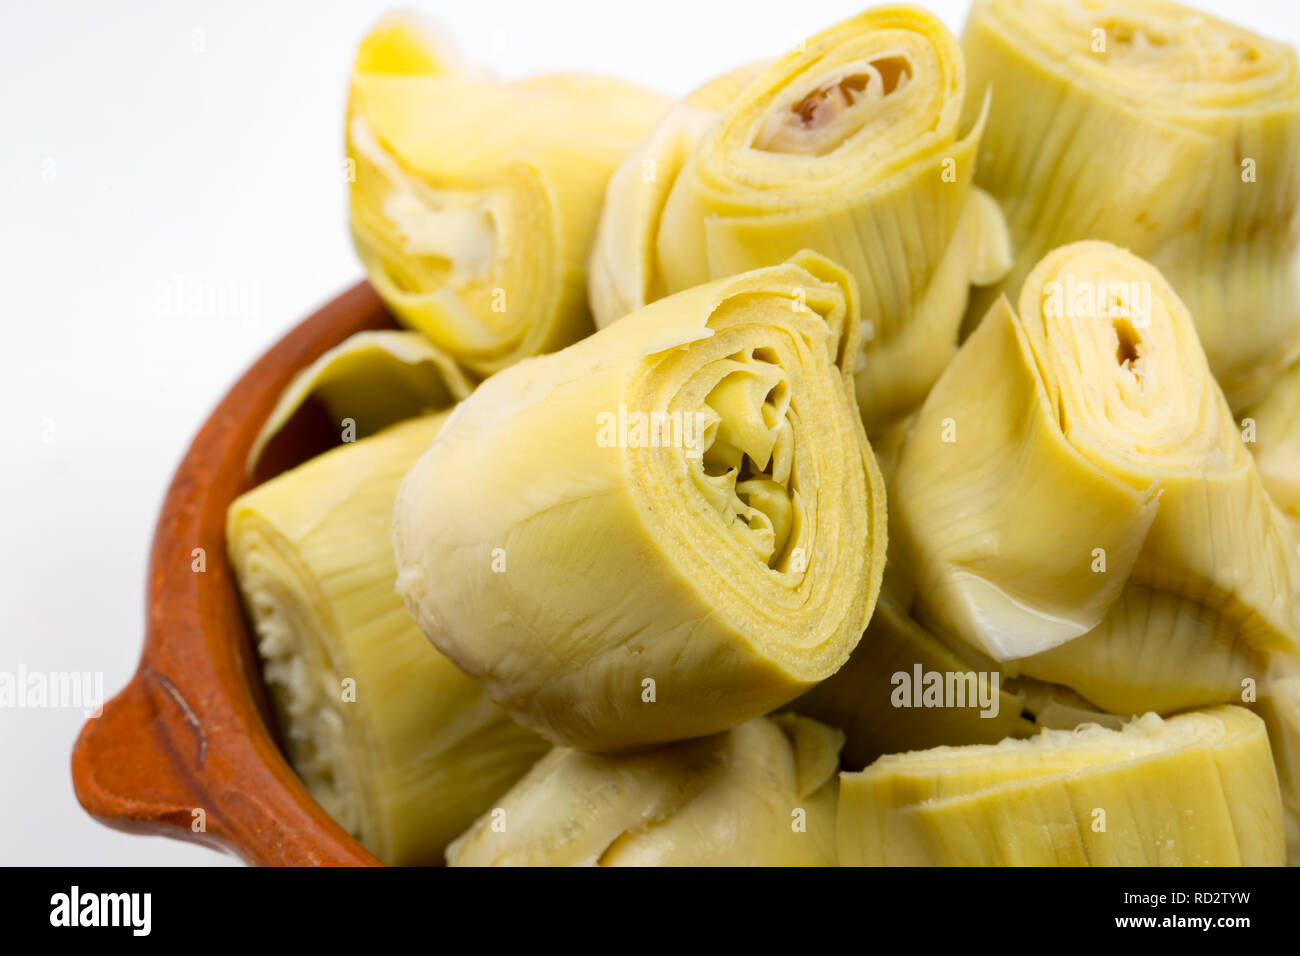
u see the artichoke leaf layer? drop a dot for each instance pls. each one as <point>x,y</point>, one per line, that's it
<point>371,380</point>
<point>1273,425</point>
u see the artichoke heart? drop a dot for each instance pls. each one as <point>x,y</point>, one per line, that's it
<point>397,745</point>
<point>850,146</point>
<point>762,794</point>
<point>1075,500</point>
<point>1198,789</point>
<point>667,529</point>
<point>473,202</point>
<point>1163,130</point>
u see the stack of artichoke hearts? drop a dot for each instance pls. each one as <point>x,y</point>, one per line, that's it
<point>846,464</point>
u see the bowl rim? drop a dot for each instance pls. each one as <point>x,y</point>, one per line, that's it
<point>186,749</point>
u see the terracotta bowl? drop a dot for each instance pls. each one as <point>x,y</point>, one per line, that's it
<point>192,730</point>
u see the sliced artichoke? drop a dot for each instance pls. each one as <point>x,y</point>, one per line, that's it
<point>665,530</point>
<point>1197,789</point>
<point>372,380</point>
<point>1273,425</point>
<point>1075,500</point>
<point>850,146</point>
<point>473,202</point>
<point>762,794</point>
<point>1161,129</point>
<point>397,745</point>
<point>1279,705</point>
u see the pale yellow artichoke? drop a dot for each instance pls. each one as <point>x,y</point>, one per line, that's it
<point>473,202</point>
<point>1197,789</point>
<point>396,744</point>
<point>665,530</point>
<point>1163,130</point>
<point>850,146</point>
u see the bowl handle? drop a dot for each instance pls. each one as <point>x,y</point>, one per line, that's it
<point>185,750</point>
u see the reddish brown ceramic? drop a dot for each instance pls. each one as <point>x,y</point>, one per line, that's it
<point>190,731</point>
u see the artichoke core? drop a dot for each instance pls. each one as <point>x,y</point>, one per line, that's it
<point>819,122</point>
<point>744,470</point>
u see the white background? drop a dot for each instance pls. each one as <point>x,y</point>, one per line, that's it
<point>145,147</point>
